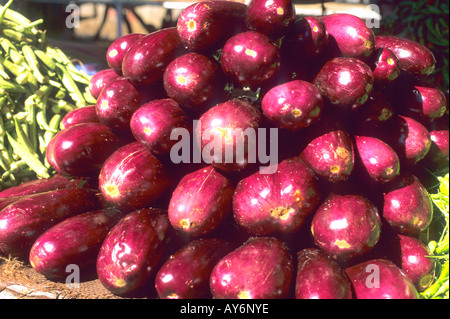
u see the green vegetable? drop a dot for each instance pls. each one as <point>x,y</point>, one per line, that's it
<point>39,84</point>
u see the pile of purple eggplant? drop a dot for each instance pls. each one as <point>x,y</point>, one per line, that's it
<point>248,152</point>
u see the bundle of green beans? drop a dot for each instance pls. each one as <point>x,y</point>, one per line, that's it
<point>39,84</point>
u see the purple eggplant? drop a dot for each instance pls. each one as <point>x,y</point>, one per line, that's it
<point>378,159</point>
<point>346,226</point>
<point>132,250</point>
<point>293,105</point>
<point>440,145</point>
<point>407,205</point>
<point>132,178</point>
<point>75,240</point>
<point>197,259</point>
<point>87,114</point>
<point>353,37</point>
<point>23,221</point>
<point>153,123</point>
<point>414,58</point>
<point>345,82</point>
<point>261,268</point>
<point>270,18</point>
<point>200,202</point>
<point>146,59</point>
<point>117,50</point>
<point>385,67</point>
<point>250,58</point>
<point>194,81</point>
<point>99,80</point>
<point>380,279</point>
<point>205,25</point>
<point>425,103</point>
<point>277,202</point>
<point>80,150</point>
<point>320,277</point>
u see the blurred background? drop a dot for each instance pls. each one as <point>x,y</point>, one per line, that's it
<point>101,22</point>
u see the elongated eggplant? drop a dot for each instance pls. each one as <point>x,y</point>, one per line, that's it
<point>74,241</point>
<point>85,114</point>
<point>80,150</point>
<point>100,79</point>
<point>197,259</point>
<point>132,250</point>
<point>117,50</point>
<point>132,178</point>
<point>23,221</point>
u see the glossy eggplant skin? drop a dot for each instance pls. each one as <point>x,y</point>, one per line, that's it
<point>217,128</point>
<point>250,58</point>
<point>200,202</point>
<point>204,25</point>
<point>415,58</point>
<point>197,260</point>
<point>320,277</point>
<point>23,221</point>
<point>439,150</point>
<point>346,226</point>
<point>407,206</point>
<point>132,250</point>
<point>261,268</point>
<point>425,103</point>
<point>194,81</point>
<point>271,19</point>
<point>75,240</point>
<point>117,103</point>
<point>379,160</point>
<point>354,38</point>
<point>330,155</point>
<point>117,50</point>
<point>145,61</point>
<point>380,279</point>
<point>293,105</point>
<point>345,82</point>
<point>99,80</point>
<point>416,263</point>
<point>152,124</point>
<point>87,114</point>
<point>385,67</point>
<point>80,150</point>
<point>267,203</point>
<point>133,178</point>
<point>55,182</point>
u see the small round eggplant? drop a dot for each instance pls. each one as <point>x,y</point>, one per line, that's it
<point>146,59</point>
<point>353,37</point>
<point>75,240</point>
<point>87,114</point>
<point>440,145</point>
<point>204,25</point>
<point>427,103</point>
<point>132,178</point>
<point>320,277</point>
<point>416,263</point>
<point>345,82</point>
<point>193,81</point>
<point>270,18</point>
<point>307,38</point>
<point>153,122</point>
<point>407,205</point>
<point>261,268</point>
<point>379,160</point>
<point>80,150</point>
<point>222,131</point>
<point>346,226</point>
<point>117,103</point>
<point>330,155</point>
<point>117,50</point>
<point>250,58</point>
<point>293,105</point>
<point>277,202</point>
<point>197,260</point>
<point>380,279</point>
<point>200,202</point>
<point>132,250</point>
<point>99,80</point>
<point>415,58</point>
<point>385,67</point>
